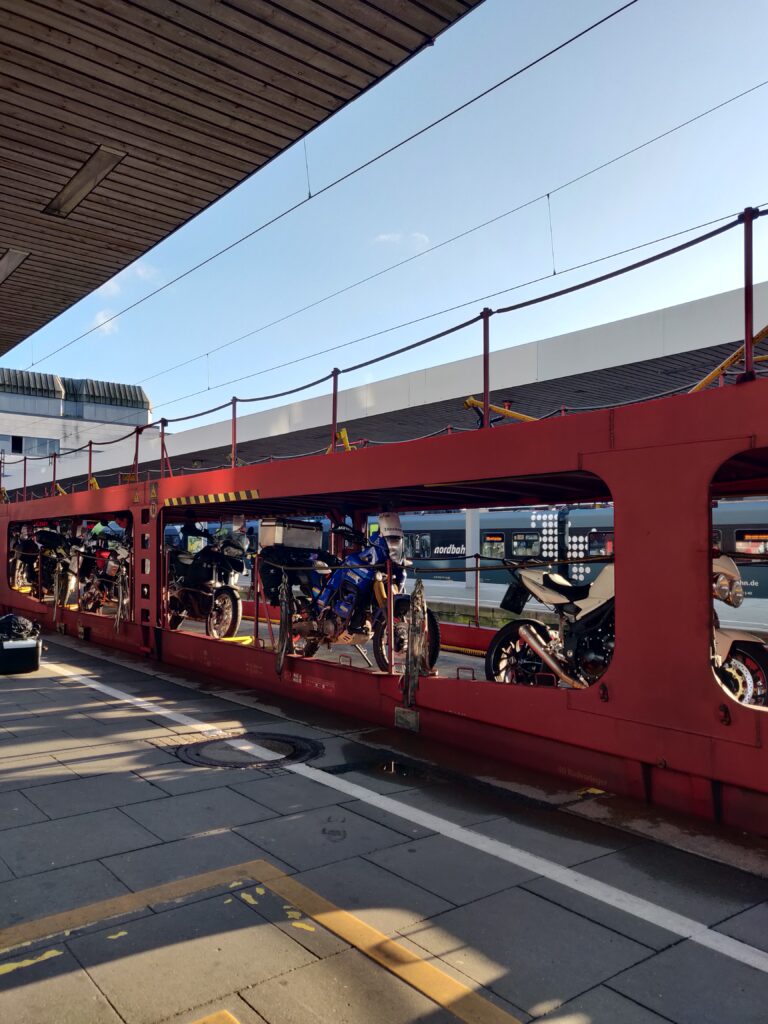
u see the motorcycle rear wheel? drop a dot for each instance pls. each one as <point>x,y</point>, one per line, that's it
<point>401,622</point>
<point>285,634</point>
<point>509,659</point>
<point>225,616</point>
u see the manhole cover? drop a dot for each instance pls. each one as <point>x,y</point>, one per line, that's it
<point>219,753</point>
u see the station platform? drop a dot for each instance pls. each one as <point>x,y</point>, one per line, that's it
<point>174,850</point>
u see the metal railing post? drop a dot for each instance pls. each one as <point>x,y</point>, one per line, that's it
<point>749,327</point>
<point>233,458</point>
<point>53,485</point>
<point>136,456</point>
<point>256,595</point>
<point>486,367</point>
<point>334,408</point>
<point>162,449</point>
<point>390,621</point>
<point>477,590</point>
<point>24,484</point>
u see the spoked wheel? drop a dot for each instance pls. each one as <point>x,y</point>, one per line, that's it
<point>402,626</point>
<point>225,615</point>
<point>285,635</point>
<point>19,576</point>
<point>92,599</point>
<point>746,674</point>
<point>510,660</point>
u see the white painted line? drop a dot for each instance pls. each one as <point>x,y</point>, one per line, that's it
<point>678,924</point>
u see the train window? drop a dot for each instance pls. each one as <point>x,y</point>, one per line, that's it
<point>525,544</point>
<point>600,542</point>
<point>492,545</point>
<point>418,545</point>
<point>752,542</point>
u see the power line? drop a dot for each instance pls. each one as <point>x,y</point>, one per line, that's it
<point>455,238</point>
<point>441,312</point>
<point>344,177</point>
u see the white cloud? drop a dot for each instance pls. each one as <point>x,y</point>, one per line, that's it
<point>103,322</point>
<point>144,271</point>
<point>400,237</point>
<point>111,287</point>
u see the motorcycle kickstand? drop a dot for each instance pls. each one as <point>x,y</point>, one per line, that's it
<point>361,651</point>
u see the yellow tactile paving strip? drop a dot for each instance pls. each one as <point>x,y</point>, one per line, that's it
<point>444,990</point>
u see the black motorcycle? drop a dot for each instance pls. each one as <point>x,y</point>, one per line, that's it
<point>105,575</point>
<point>203,586</point>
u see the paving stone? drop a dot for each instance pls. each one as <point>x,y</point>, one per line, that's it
<point>44,741</point>
<point>137,757</point>
<point>169,962</point>
<point>176,817</point>
<point>556,836</point>
<point>393,821</point>
<point>633,927</point>
<point>381,899</point>
<point>751,926</point>
<point>181,859</point>
<point>289,919</point>
<point>689,885</point>
<point>23,772</point>
<point>689,984</point>
<point>531,952</point>
<point>460,805</point>
<point>602,1006</point>
<point>15,810</point>
<point>288,793</point>
<point>25,899</point>
<point>51,989</point>
<point>450,869</point>
<point>5,872</point>
<point>312,838</point>
<point>233,1004</point>
<point>177,778</point>
<point>62,799</point>
<point>380,780</point>
<point>55,844</point>
<point>339,750</point>
<point>14,712</point>
<point>344,989</point>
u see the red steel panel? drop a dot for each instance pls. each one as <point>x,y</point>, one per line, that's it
<point>657,727</point>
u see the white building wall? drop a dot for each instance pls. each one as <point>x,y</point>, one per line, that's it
<point>714,320</point>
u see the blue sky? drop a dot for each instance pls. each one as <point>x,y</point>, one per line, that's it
<point>653,66</point>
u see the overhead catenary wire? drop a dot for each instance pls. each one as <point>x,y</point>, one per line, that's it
<point>461,235</point>
<point>733,221</point>
<point>344,177</point>
<point>442,312</point>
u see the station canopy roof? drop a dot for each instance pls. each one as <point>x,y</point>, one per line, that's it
<point>122,119</point>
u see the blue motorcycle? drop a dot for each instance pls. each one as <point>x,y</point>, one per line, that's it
<point>325,600</point>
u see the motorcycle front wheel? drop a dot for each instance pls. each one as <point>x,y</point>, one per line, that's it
<point>754,658</point>
<point>223,620</point>
<point>510,660</point>
<point>402,623</point>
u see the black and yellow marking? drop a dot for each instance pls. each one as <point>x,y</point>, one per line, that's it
<point>213,499</point>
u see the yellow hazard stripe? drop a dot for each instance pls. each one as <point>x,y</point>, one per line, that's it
<point>212,499</point>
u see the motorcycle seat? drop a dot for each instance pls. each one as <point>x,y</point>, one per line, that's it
<point>573,591</point>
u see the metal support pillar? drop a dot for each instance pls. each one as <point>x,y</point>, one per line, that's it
<point>233,456</point>
<point>486,367</point>
<point>90,465</point>
<point>53,485</point>
<point>749,327</point>
<point>471,545</point>
<point>334,408</point>
<point>136,456</point>
<point>24,484</point>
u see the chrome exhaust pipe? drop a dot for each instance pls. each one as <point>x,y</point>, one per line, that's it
<point>534,642</point>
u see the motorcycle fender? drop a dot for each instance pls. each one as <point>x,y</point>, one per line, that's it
<point>232,591</point>
<point>726,638</point>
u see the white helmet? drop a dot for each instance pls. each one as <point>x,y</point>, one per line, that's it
<point>391,529</point>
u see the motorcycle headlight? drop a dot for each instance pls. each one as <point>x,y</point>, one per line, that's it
<point>737,594</point>
<point>721,587</point>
